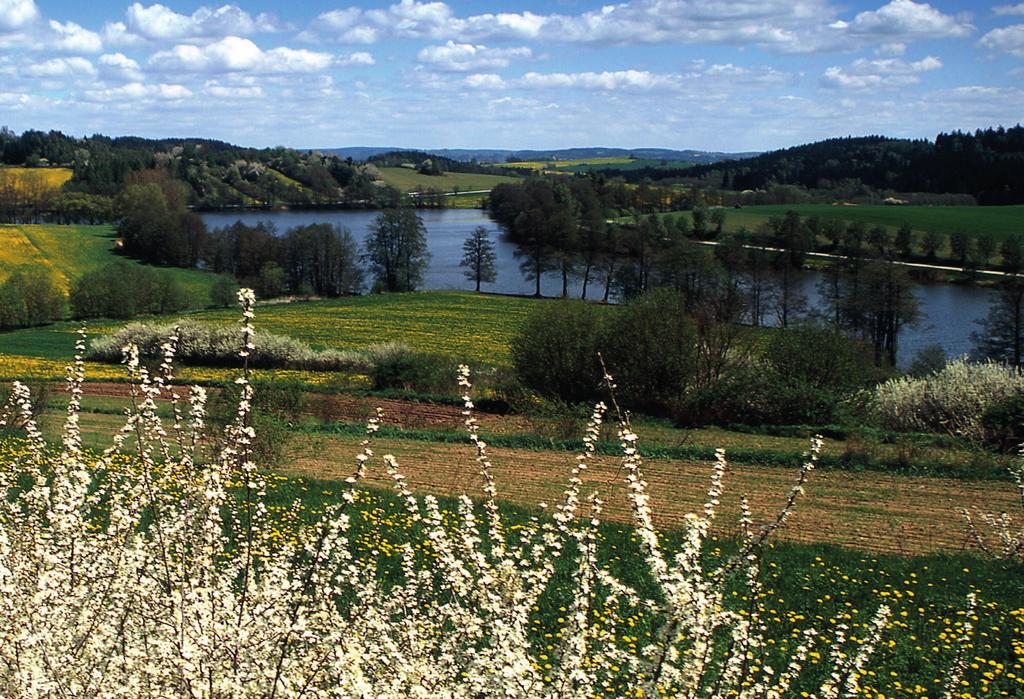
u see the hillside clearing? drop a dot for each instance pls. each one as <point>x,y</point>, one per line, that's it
<point>408,180</point>
<point>70,251</point>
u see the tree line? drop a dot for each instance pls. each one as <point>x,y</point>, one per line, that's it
<point>987,164</point>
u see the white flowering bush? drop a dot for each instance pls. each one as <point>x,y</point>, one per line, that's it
<point>156,574</point>
<point>1000,535</point>
<point>952,400</point>
<point>206,343</point>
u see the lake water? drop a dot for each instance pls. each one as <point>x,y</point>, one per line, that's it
<point>948,311</point>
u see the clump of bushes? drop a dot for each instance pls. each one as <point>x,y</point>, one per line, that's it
<point>953,400</point>
<point>30,296</point>
<point>805,374</point>
<point>667,363</point>
<point>217,345</point>
<point>125,290</point>
<point>395,366</point>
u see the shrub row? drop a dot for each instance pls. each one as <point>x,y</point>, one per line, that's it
<point>215,345</point>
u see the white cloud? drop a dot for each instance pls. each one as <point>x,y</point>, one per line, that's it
<point>359,58</point>
<point>117,34</point>
<point>411,18</point>
<point>896,48</point>
<point>905,19</point>
<point>641,80</point>
<point>1006,40</point>
<point>139,92</point>
<point>119,66</point>
<point>13,99</point>
<point>484,81</point>
<point>1017,9</point>
<point>469,57</point>
<point>73,38</point>
<point>160,23</point>
<point>17,14</point>
<point>865,74</point>
<point>62,68</point>
<point>235,54</point>
<point>215,89</point>
<point>785,24</point>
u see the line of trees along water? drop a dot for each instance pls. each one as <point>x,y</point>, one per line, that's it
<point>947,313</point>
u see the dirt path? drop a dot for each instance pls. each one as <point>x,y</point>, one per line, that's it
<point>866,511</point>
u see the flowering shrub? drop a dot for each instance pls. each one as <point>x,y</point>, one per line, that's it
<point>204,343</point>
<point>1001,535</point>
<point>952,401</point>
<point>167,579</point>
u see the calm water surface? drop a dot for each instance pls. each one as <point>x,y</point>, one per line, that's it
<point>948,311</point>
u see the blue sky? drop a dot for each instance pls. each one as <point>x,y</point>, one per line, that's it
<point>713,75</point>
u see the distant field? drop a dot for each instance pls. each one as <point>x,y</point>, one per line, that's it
<point>407,180</point>
<point>559,164</point>
<point>54,177</point>
<point>466,326</point>
<point>587,164</point>
<point>996,221</point>
<point>71,251</point>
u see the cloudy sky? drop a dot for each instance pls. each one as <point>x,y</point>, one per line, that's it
<point>724,75</point>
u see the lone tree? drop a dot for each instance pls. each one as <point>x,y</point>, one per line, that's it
<point>478,257</point>
<point>396,248</point>
<point>1002,332</point>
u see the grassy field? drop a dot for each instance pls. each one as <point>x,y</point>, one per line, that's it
<point>52,177</point>
<point>559,164</point>
<point>587,164</point>
<point>408,180</point>
<point>996,221</point>
<point>469,327</point>
<point>71,251</point>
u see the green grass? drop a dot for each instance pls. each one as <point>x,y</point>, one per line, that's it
<point>803,585</point>
<point>466,326</point>
<point>996,221</point>
<point>408,180</point>
<point>71,251</point>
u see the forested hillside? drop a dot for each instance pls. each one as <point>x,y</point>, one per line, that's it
<point>217,174</point>
<point>988,165</point>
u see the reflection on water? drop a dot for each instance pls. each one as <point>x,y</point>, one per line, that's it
<point>948,311</point>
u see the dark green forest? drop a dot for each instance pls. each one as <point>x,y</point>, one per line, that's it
<point>987,165</point>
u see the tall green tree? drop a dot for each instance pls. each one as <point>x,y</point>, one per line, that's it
<point>931,243</point>
<point>396,249</point>
<point>42,298</point>
<point>904,242</point>
<point>478,257</point>
<point>1001,336</point>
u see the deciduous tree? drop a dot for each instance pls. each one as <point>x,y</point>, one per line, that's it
<point>478,257</point>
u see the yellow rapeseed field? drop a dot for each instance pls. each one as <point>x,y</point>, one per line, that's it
<point>65,251</point>
<point>52,177</point>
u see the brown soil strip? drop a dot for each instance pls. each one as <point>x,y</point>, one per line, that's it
<point>869,512</point>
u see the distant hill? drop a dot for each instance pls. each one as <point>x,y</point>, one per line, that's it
<point>499,156</point>
<point>987,164</point>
